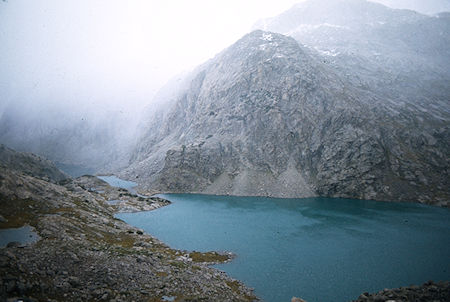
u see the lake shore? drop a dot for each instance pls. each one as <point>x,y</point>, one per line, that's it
<point>85,253</point>
<point>429,291</point>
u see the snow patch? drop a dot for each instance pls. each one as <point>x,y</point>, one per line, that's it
<point>267,37</point>
<point>330,53</point>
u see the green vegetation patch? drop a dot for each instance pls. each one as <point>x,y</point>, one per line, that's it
<point>209,257</point>
<point>124,240</point>
<point>19,212</point>
<point>162,274</point>
<point>236,287</point>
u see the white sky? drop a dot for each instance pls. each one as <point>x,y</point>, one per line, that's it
<point>113,53</point>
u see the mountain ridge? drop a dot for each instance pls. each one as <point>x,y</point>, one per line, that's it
<point>30,164</point>
<point>397,54</point>
<point>266,117</point>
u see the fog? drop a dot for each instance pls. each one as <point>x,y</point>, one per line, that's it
<point>119,53</point>
<point>73,66</point>
<point>75,75</point>
<point>422,6</point>
<point>116,53</point>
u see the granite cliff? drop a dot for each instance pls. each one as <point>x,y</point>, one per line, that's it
<point>270,117</point>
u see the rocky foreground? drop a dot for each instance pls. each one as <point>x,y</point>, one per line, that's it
<point>430,291</point>
<point>85,254</point>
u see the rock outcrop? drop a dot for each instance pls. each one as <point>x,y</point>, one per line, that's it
<point>269,117</point>
<point>30,164</point>
<point>429,291</point>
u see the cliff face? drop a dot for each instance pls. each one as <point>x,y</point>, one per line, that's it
<point>268,117</point>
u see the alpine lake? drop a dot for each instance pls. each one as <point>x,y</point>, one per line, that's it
<point>319,249</point>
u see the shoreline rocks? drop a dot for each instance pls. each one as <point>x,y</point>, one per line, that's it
<point>85,253</point>
<point>429,291</point>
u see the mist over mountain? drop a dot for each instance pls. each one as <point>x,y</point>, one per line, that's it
<point>87,140</point>
<point>399,54</point>
<point>356,106</point>
<point>75,75</point>
<point>30,164</point>
<point>430,7</point>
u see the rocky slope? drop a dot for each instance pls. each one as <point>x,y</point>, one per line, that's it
<point>85,254</point>
<point>30,164</point>
<point>429,291</point>
<point>270,117</point>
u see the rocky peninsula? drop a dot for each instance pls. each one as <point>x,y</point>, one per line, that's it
<point>85,254</point>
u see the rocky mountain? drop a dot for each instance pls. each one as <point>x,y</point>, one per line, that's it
<point>30,164</point>
<point>271,117</point>
<point>398,54</point>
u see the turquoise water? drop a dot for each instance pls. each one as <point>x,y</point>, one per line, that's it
<point>120,183</point>
<point>318,249</point>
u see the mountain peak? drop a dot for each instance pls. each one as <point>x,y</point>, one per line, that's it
<point>269,116</point>
<point>263,40</point>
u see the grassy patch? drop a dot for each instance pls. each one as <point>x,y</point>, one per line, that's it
<point>178,264</point>
<point>16,221</point>
<point>124,240</point>
<point>211,257</point>
<point>236,287</point>
<point>169,253</point>
<point>18,212</point>
<point>162,274</point>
